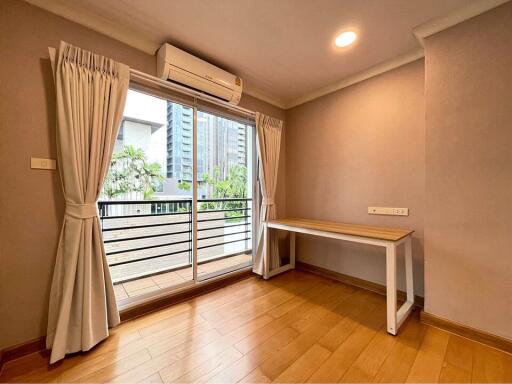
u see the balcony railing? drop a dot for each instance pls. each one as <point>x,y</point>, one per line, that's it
<point>144,238</point>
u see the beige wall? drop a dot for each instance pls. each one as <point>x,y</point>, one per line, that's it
<point>31,204</point>
<point>358,147</point>
<point>468,220</point>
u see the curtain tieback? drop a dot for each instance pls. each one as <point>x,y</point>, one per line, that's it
<point>82,211</point>
<point>268,201</point>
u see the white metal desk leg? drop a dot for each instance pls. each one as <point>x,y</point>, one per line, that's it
<point>391,287</point>
<point>266,248</point>
<point>292,249</point>
<point>409,282</point>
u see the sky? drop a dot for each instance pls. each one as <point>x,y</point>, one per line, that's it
<point>145,107</point>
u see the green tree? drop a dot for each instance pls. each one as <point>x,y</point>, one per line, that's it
<point>130,171</point>
<point>233,187</point>
<point>184,185</point>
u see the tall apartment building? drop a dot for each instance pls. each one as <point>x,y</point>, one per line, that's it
<point>179,141</point>
<point>220,142</point>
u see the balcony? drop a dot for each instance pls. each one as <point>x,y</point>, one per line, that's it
<point>148,244</point>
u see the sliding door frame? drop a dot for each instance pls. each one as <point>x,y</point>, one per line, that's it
<point>194,195</point>
<point>254,192</point>
<point>129,303</point>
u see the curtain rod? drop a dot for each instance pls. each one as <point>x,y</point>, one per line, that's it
<point>138,75</point>
<point>178,88</point>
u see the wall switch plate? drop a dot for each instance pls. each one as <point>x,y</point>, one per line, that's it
<point>37,163</point>
<point>388,211</point>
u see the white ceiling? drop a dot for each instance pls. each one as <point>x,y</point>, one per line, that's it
<point>283,49</point>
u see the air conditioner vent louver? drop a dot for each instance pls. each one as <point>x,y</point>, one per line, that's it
<point>195,89</point>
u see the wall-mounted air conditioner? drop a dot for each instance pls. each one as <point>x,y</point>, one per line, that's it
<point>183,68</point>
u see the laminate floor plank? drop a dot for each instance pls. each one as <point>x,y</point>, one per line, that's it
<point>270,339</point>
<point>192,355</point>
<point>398,363</point>
<point>368,363</point>
<point>255,377</point>
<point>430,358</point>
<point>453,374</point>
<point>253,359</point>
<point>313,331</point>
<point>345,355</point>
<point>304,366</point>
<point>490,365</point>
<point>295,327</point>
<point>354,310</point>
<point>293,314</point>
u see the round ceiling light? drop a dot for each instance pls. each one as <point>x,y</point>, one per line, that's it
<point>345,39</point>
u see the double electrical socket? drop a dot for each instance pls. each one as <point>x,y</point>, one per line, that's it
<point>388,211</point>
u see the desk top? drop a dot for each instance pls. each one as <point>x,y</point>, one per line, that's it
<point>381,233</point>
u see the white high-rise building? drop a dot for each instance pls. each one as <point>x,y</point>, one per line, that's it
<point>221,143</point>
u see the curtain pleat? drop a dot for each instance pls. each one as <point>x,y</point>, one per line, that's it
<point>268,131</point>
<point>90,95</point>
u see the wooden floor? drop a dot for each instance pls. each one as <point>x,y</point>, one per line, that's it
<point>297,327</point>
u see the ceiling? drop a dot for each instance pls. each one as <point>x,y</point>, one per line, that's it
<point>283,49</point>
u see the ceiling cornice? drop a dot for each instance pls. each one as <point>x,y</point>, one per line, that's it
<point>72,11</point>
<point>422,31</point>
<point>249,89</point>
<point>133,38</point>
<point>360,76</point>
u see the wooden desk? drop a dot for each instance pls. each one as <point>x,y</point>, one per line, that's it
<point>389,238</point>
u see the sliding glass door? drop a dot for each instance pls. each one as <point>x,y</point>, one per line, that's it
<point>224,194</point>
<point>176,206</point>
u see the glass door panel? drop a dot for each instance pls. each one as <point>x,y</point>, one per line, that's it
<point>146,204</point>
<point>170,218</point>
<point>224,195</point>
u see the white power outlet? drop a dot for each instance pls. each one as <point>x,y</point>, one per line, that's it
<point>388,211</point>
<point>401,211</point>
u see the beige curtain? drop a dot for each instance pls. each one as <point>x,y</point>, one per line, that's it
<point>268,131</point>
<point>91,92</point>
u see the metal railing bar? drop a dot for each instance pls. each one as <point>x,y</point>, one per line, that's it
<point>222,226</point>
<point>148,258</point>
<point>161,208</point>
<point>188,201</point>
<point>174,253</point>
<point>145,237</point>
<point>147,247</point>
<point>133,202</point>
<point>222,200</point>
<point>224,234</point>
<point>145,215</point>
<point>226,242</point>
<point>224,210</point>
<point>144,226</point>
<point>223,218</point>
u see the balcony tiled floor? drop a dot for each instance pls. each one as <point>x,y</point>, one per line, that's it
<point>154,283</point>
